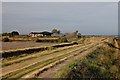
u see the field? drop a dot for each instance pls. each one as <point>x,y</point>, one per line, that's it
<point>86,59</point>
<point>18,45</point>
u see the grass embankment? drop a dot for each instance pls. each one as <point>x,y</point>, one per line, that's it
<point>104,62</point>
<point>21,72</point>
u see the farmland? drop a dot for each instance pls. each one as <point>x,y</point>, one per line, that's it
<point>61,60</point>
<point>18,45</point>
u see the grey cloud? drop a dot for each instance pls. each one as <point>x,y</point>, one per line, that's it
<point>87,17</point>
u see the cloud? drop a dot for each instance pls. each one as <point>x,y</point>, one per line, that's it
<point>87,17</point>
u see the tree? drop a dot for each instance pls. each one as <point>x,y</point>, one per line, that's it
<point>76,31</point>
<point>5,39</point>
<point>14,33</point>
<point>6,34</point>
<point>56,31</point>
<point>76,34</point>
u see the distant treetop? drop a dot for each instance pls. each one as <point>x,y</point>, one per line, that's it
<point>56,31</point>
<point>15,33</point>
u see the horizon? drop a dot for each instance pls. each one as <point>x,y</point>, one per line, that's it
<point>64,33</point>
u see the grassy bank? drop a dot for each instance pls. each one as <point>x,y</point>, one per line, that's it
<point>103,62</point>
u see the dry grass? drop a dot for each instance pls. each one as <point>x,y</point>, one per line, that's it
<point>19,59</point>
<point>17,52</point>
<point>119,44</point>
<point>100,63</point>
<point>38,65</point>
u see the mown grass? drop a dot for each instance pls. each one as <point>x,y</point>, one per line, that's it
<point>18,52</point>
<point>21,72</point>
<point>32,56</point>
<point>24,57</point>
<point>103,63</point>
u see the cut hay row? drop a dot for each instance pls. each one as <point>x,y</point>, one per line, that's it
<point>36,73</point>
<point>9,62</point>
<point>38,64</point>
<point>10,53</point>
<point>52,53</point>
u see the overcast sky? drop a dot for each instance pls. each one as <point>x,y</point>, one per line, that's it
<point>95,18</point>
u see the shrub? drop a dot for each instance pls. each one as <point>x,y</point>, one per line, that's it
<point>100,63</point>
<point>5,39</point>
<point>7,34</point>
<point>14,33</point>
<point>52,40</point>
<point>37,40</point>
<point>63,39</point>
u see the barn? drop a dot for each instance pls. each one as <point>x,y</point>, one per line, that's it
<point>40,34</point>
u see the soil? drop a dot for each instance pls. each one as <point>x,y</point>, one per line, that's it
<point>19,45</point>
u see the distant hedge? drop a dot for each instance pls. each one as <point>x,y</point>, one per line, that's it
<point>52,40</point>
<point>63,39</point>
<point>6,39</point>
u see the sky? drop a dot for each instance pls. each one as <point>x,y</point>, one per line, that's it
<point>60,0</point>
<point>89,18</point>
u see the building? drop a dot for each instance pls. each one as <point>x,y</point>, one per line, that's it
<point>40,34</point>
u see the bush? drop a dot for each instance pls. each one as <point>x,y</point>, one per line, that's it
<point>63,40</point>
<point>5,39</point>
<point>7,34</point>
<point>14,33</point>
<point>52,40</point>
<point>100,63</point>
<point>37,40</point>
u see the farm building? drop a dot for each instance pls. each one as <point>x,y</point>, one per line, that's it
<point>40,34</point>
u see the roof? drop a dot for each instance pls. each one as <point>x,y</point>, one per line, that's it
<point>44,33</point>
